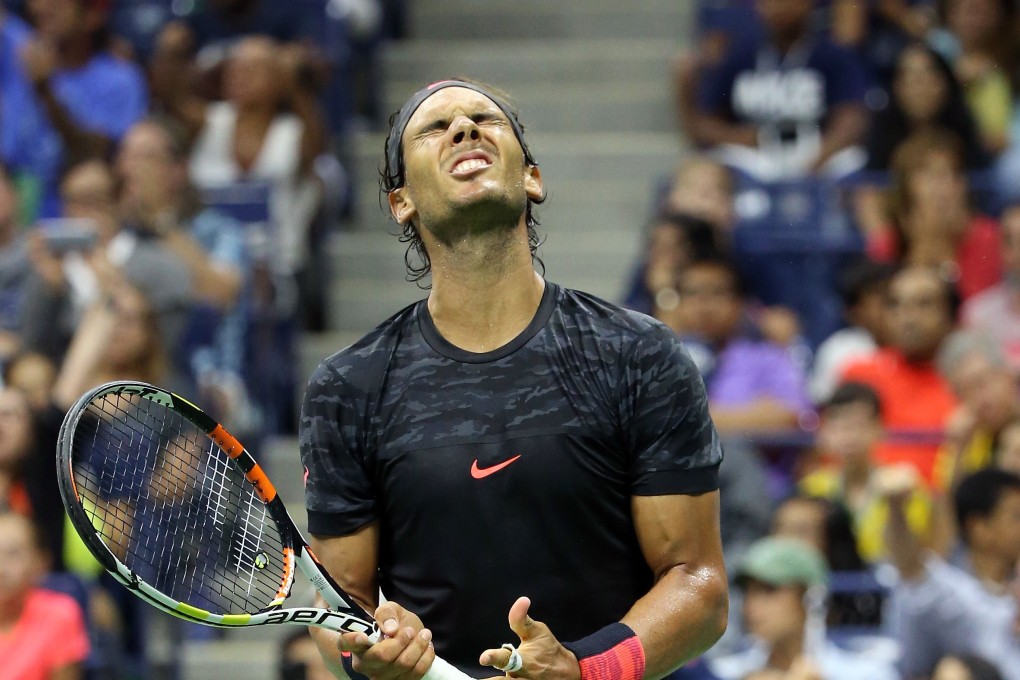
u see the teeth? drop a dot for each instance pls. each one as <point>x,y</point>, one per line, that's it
<point>470,164</point>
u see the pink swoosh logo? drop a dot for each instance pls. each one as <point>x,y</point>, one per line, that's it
<point>306,475</point>
<point>482,473</point>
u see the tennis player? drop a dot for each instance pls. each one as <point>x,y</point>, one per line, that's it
<point>508,460</point>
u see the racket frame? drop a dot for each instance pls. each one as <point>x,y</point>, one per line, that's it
<point>344,615</point>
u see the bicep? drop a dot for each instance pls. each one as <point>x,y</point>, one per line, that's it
<point>679,531</point>
<point>352,561</point>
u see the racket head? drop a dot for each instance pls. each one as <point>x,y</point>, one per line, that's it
<point>151,485</point>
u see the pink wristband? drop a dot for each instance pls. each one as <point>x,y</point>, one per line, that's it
<point>611,653</point>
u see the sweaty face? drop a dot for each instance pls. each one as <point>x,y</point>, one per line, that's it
<point>464,165</point>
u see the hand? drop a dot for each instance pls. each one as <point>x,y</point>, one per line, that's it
<point>48,266</point>
<point>404,651</point>
<point>895,483</point>
<point>541,652</point>
<point>39,58</point>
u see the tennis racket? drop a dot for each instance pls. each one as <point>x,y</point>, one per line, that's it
<point>179,512</point>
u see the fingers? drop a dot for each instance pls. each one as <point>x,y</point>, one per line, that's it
<point>496,658</point>
<point>520,622</point>
<point>408,652</point>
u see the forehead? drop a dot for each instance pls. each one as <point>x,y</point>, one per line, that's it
<point>916,284</point>
<point>449,101</point>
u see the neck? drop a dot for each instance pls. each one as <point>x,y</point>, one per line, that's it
<point>785,652</point>
<point>856,472</point>
<point>991,568</point>
<point>484,288</point>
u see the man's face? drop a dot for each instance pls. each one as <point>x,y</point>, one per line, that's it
<point>146,166</point>
<point>785,17</point>
<point>89,192</point>
<point>1003,527</point>
<point>57,19</point>
<point>919,314</point>
<point>988,391</point>
<point>773,614</point>
<point>462,164</point>
<point>850,431</point>
<point>710,304</point>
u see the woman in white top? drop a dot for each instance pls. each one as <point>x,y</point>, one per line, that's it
<point>267,129</point>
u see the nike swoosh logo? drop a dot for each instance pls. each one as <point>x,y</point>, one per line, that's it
<point>306,475</point>
<point>482,473</point>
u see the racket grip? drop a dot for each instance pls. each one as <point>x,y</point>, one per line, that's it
<point>442,670</point>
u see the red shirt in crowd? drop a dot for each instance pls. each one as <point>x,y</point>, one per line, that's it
<point>50,634</point>
<point>914,397</point>
<point>978,255</point>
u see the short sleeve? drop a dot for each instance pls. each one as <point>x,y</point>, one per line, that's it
<point>339,493</point>
<point>672,442</point>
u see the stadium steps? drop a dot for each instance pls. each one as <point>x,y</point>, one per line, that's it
<point>591,78</point>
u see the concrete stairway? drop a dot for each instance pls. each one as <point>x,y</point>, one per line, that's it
<point>592,83</point>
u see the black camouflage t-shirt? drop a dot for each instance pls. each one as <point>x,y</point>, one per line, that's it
<point>507,473</point>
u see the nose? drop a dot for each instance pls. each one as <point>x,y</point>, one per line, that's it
<point>464,129</point>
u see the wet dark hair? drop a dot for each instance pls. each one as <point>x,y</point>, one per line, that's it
<point>979,495</point>
<point>391,178</point>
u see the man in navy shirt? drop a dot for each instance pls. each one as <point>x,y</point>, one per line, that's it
<point>508,437</point>
<point>787,105</point>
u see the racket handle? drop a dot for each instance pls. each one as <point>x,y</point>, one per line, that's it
<point>439,670</point>
<point>442,670</point>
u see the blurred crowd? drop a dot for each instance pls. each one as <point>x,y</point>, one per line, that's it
<point>168,172</point>
<point>839,248</point>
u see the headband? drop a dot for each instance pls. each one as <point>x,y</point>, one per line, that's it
<point>393,143</point>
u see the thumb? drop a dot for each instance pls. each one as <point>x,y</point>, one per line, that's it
<point>520,623</point>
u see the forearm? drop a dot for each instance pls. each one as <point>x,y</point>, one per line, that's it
<point>711,130</point>
<point>760,415</point>
<point>81,144</point>
<point>83,355</point>
<point>680,617</point>
<point>846,128</point>
<point>905,551</point>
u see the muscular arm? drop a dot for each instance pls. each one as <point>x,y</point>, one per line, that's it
<point>351,561</point>
<point>685,611</point>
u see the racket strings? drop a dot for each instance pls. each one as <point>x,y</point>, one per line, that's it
<point>173,508</point>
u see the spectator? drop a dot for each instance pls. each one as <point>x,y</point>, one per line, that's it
<point>986,386</point>
<point>118,339</point>
<point>702,188</point>
<point>784,582</point>
<point>65,284</point>
<point>996,310</point>
<point>44,631</point>
<point>979,42</point>
<point>931,220</point>
<point>863,288</point>
<point>941,608</point>
<point>246,137</point>
<point>753,385</point>
<point>157,200</point>
<point>674,240</point>
<point>965,667</point>
<point>86,98</point>
<point>880,30</point>
<point>789,105</point>
<point>924,94</point>
<point>914,397</point>
<point>849,430</point>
